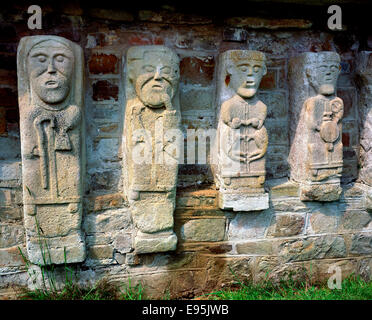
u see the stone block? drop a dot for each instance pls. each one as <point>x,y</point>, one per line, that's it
<point>249,226</point>
<point>203,230</point>
<point>255,248</point>
<point>11,235</point>
<point>101,252</point>
<point>309,248</point>
<point>11,257</point>
<point>286,225</point>
<point>361,244</point>
<point>244,202</point>
<point>355,220</point>
<point>159,242</point>
<point>107,222</point>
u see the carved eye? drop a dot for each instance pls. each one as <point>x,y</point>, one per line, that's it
<point>256,69</point>
<point>60,58</point>
<point>166,70</point>
<point>149,68</point>
<point>243,68</point>
<point>335,68</point>
<point>41,58</point>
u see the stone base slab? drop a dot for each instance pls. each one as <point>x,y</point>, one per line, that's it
<point>243,202</point>
<point>155,242</point>
<point>46,251</point>
<point>320,192</point>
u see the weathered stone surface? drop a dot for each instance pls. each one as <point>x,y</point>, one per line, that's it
<point>309,248</point>
<point>156,242</point>
<point>50,88</point>
<point>364,70</point>
<point>242,139</point>
<point>108,221</point>
<point>361,244</point>
<point>152,141</point>
<point>101,252</point>
<point>355,220</point>
<point>255,247</point>
<point>12,256</point>
<point>316,156</point>
<point>249,226</point>
<point>204,230</point>
<point>286,225</point>
<point>243,202</point>
<point>324,219</point>
<point>11,235</point>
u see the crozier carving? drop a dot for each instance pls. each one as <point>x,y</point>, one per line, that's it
<point>316,161</point>
<point>50,84</point>
<point>152,145</point>
<point>242,136</point>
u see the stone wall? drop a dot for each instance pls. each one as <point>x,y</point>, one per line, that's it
<point>290,237</point>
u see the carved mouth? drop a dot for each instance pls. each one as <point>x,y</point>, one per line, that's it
<point>250,83</point>
<point>157,86</point>
<point>51,84</point>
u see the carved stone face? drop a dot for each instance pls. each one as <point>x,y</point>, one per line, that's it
<point>155,78</point>
<point>50,66</point>
<point>246,76</point>
<point>323,76</point>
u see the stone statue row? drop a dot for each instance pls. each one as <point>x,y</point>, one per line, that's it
<point>51,90</point>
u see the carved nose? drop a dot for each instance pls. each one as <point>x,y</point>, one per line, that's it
<point>250,71</point>
<point>51,67</point>
<point>157,75</point>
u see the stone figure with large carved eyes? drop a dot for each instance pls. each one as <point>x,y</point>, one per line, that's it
<point>155,79</point>
<point>324,77</point>
<point>50,65</point>
<point>246,77</point>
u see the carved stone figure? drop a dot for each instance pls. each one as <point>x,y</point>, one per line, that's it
<point>364,71</point>
<point>50,88</point>
<point>152,145</point>
<point>316,150</point>
<point>242,137</point>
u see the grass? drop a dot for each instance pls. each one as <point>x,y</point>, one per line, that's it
<point>102,290</point>
<point>352,288</point>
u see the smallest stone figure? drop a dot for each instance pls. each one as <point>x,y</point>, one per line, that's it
<point>242,136</point>
<point>316,151</point>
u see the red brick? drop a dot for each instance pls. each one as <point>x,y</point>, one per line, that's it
<point>101,63</point>
<point>197,70</point>
<point>346,139</point>
<point>138,40</point>
<point>8,97</point>
<point>105,90</point>
<point>2,121</point>
<point>269,80</point>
